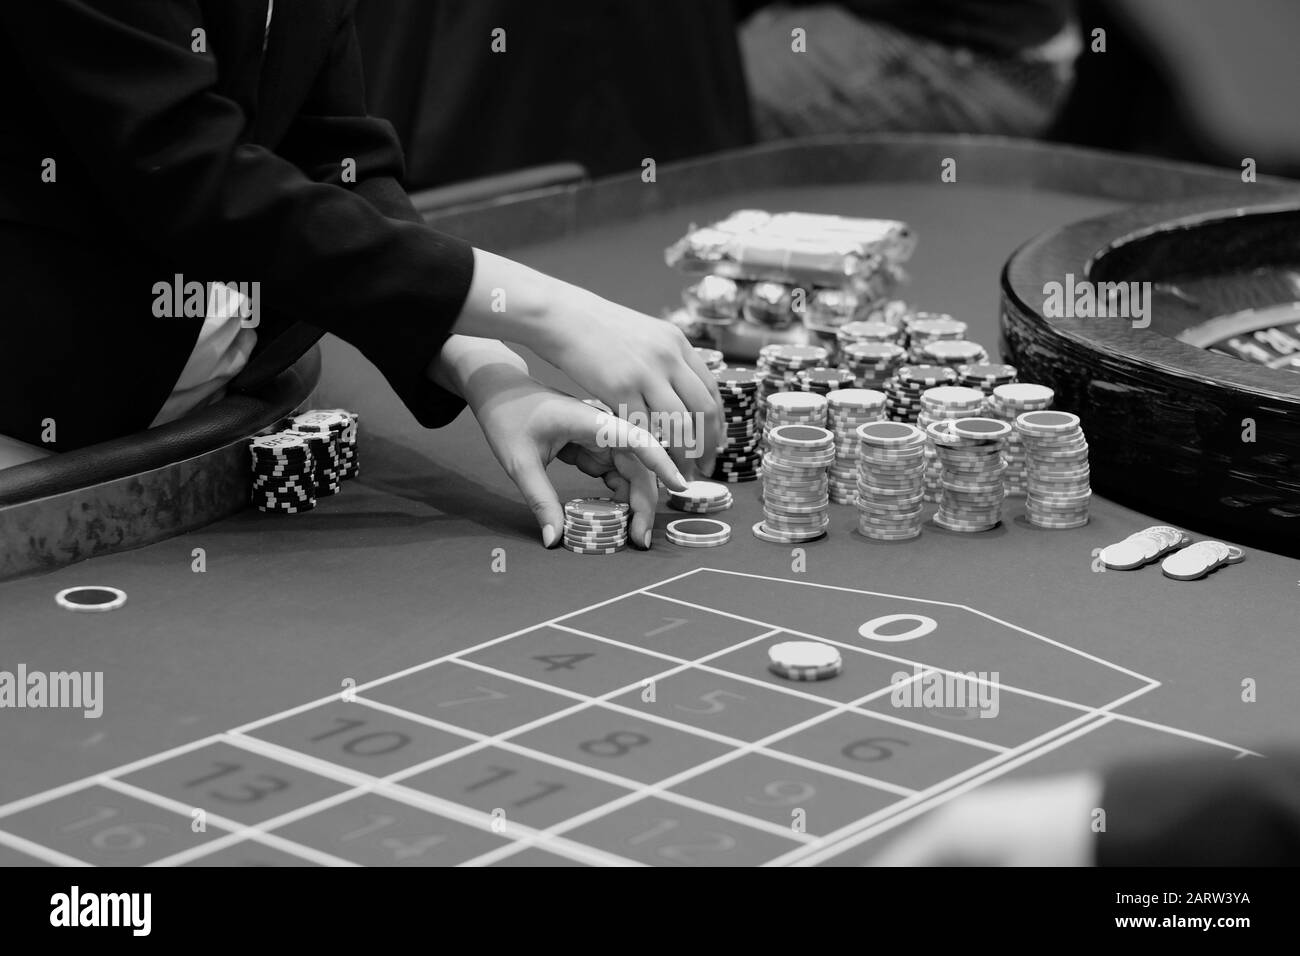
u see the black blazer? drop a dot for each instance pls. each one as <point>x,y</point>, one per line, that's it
<point>223,163</point>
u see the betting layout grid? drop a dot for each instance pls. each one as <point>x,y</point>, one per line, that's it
<point>371,780</point>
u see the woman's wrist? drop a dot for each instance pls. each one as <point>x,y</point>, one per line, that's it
<point>465,364</point>
<point>513,303</point>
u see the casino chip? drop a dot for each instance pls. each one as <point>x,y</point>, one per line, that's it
<point>903,391</point>
<point>284,473</point>
<point>923,328</point>
<point>805,660</point>
<point>595,525</point>
<point>91,598</point>
<point>701,497</point>
<point>1143,547</point>
<point>1198,560</point>
<point>872,363</point>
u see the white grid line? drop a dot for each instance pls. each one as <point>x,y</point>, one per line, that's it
<point>813,849</point>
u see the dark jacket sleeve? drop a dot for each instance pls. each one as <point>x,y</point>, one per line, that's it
<point>1226,812</point>
<point>334,124</point>
<point>165,151</point>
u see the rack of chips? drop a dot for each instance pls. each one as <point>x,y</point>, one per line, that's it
<point>891,476</point>
<point>595,525</point>
<point>1056,458</point>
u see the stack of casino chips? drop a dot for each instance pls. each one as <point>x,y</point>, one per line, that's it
<point>595,525</point>
<point>986,377</point>
<point>970,453</point>
<point>953,353</point>
<point>349,460</point>
<point>795,492</point>
<point>792,408</point>
<point>701,498</point>
<point>891,477</point>
<point>779,365</point>
<point>323,432</point>
<point>846,335</point>
<point>1007,402</point>
<point>905,388</point>
<point>944,403</point>
<point>1056,453</point>
<point>872,363</point>
<point>922,328</point>
<point>823,380</point>
<point>847,409</point>
<point>284,474</point>
<point>712,358</point>
<point>740,457</point>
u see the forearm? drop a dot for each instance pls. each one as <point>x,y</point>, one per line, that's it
<point>510,302</point>
<point>466,365</point>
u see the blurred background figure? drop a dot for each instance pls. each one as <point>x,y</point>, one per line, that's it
<point>604,83</point>
<point>939,66</point>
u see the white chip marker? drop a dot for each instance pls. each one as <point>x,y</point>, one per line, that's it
<point>804,660</point>
<point>91,598</point>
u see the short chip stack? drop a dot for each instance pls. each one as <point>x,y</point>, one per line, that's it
<point>823,380</point>
<point>793,408</point>
<point>740,458</point>
<point>1007,402</point>
<point>867,332</point>
<point>922,328</point>
<point>891,479</point>
<point>1056,455</point>
<point>953,353</point>
<point>970,453</point>
<point>701,497</point>
<point>595,525</point>
<point>872,363</point>
<point>698,533</point>
<point>284,473</point>
<point>986,377</point>
<point>904,389</point>
<point>711,358</point>
<point>847,409</point>
<point>805,660</point>
<point>795,494</point>
<point>943,403</point>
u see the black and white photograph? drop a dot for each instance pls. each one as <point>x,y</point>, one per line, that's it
<point>650,433</point>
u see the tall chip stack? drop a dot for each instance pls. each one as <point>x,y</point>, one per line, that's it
<point>1006,403</point>
<point>847,409</point>
<point>943,403</point>
<point>795,492</point>
<point>1056,454</point>
<point>970,454</point>
<point>740,457</point>
<point>791,272</point>
<point>891,478</point>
